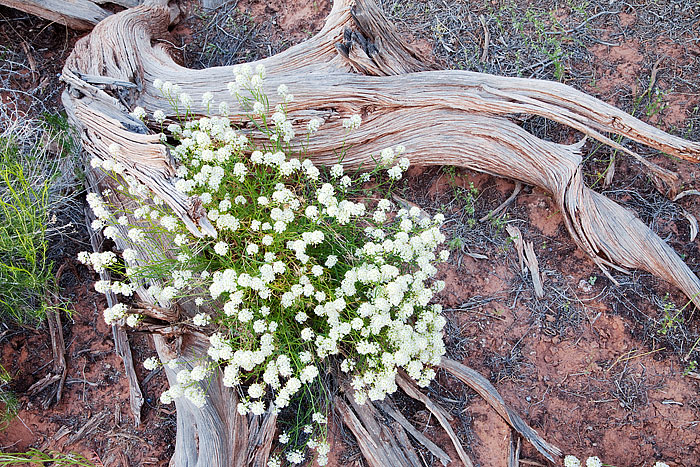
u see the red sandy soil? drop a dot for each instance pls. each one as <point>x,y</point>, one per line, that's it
<point>96,391</point>
<point>579,365</point>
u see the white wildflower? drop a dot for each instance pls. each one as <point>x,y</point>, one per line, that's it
<point>198,373</point>
<point>186,100</point>
<point>221,248</point>
<point>132,321</point>
<point>295,457</point>
<point>353,122</point>
<point>159,116</point>
<point>151,363</point>
<point>139,113</point>
<point>313,125</point>
<point>331,261</point>
<point>201,319</point>
<point>337,171</point>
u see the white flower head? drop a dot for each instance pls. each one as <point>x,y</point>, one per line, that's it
<point>260,70</point>
<point>295,457</point>
<point>151,363</point>
<point>337,171</point>
<point>201,319</point>
<point>132,321</point>
<point>114,149</point>
<point>159,116</point>
<point>186,100</point>
<point>221,248</point>
<point>313,125</point>
<point>353,122</point>
<point>139,113</point>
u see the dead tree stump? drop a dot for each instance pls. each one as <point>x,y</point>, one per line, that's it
<point>358,64</point>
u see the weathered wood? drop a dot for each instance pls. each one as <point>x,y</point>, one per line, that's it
<point>58,349</point>
<point>420,437</point>
<point>496,212</point>
<point>121,340</point>
<point>514,450</point>
<point>486,390</point>
<point>526,258</point>
<point>212,4</point>
<point>414,109</point>
<point>442,117</point>
<point>441,414</point>
<point>81,15</point>
<point>378,445</point>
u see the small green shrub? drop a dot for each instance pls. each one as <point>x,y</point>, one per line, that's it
<point>35,457</point>
<point>32,189</point>
<point>24,215</point>
<point>9,405</point>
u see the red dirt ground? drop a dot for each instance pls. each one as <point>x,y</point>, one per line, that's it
<point>96,390</point>
<point>583,366</point>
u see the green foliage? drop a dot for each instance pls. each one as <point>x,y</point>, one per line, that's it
<point>499,222</point>
<point>541,34</point>
<point>302,269</point>
<point>455,244</point>
<point>9,405</point>
<point>25,271</point>
<point>34,185</point>
<point>35,457</point>
<point>465,196</point>
<point>57,130</point>
<point>671,316</point>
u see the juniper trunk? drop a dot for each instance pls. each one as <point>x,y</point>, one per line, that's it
<point>358,64</point>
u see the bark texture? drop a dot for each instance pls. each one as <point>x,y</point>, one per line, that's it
<point>81,15</point>
<point>358,64</point>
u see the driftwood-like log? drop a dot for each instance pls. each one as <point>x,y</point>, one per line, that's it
<point>444,418</point>
<point>442,117</point>
<point>486,390</point>
<point>358,64</point>
<point>81,15</point>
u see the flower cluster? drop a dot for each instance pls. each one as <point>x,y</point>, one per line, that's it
<point>594,461</point>
<point>306,266</point>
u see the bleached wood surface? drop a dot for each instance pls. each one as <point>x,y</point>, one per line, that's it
<point>359,64</point>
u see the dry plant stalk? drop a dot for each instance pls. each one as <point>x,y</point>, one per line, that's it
<point>358,64</point>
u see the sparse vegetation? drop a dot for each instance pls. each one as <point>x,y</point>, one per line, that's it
<point>465,196</point>
<point>8,400</point>
<point>672,316</point>
<point>34,457</point>
<point>32,190</point>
